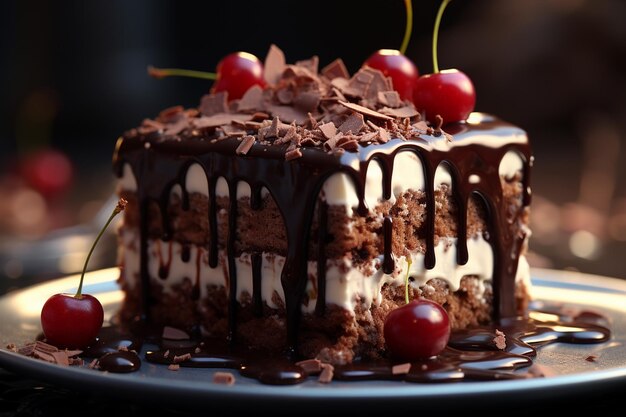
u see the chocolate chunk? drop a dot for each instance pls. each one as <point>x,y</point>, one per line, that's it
<point>369,137</point>
<point>293,154</point>
<point>245,145</point>
<point>354,123</point>
<point>377,84</point>
<point>336,69</point>
<point>211,104</point>
<point>389,98</point>
<point>328,130</point>
<point>274,65</point>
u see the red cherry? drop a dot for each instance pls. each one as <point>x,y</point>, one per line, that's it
<point>48,171</point>
<point>417,330</point>
<point>448,93</point>
<point>236,73</point>
<point>71,322</point>
<point>398,67</point>
<point>74,321</point>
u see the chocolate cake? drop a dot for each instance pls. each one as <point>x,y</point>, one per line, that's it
<point>291,219</point>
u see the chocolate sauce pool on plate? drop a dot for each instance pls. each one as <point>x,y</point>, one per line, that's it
<point>471,354</point>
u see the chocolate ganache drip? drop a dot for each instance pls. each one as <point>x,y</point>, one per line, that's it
<point>333,124</point>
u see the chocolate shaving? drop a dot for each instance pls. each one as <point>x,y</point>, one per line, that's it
<point>310,64</point>
<point>336,69</point>
<point>288,114</point>
<point>211,104</point>
<point>326,376</point>
<point>328,130</point>
<point>274,65</point>
<point>284,95</point>
<point>293,154</point>
<point>389,98</point>
<point>233,131</point>
<point>401,369</point>
<point>364,110</point>
<point>223,378</point>
<point>181,358</point>
<point>252,99</point>
<point>500,340</point>
<point>308,101</point>
<point>353,123</point>
<point>245,145</point>
<point>171,114</point>
<point>359,84</point>
<point>310,366</point>
<point>219,119</point>
<point>402,112</point>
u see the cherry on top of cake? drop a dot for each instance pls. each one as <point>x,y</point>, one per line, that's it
<point>300,106</point>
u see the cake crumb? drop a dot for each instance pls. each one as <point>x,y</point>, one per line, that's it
<point>310,366</point>
<point>500,340</point>
<point>224,378</point>
<point>173,367</point>
<point>12,347</point>
<point>182,358</point>
<point>401,369</point>
<point>327,373</point>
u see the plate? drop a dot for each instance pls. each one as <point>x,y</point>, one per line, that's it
<point>570,373</point>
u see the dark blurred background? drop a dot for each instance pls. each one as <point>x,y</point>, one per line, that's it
<point>73,78</point>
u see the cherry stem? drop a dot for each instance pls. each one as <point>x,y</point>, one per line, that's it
<point>121,205</point>
<point>406,282</point>
<point>409,26</point>
<point>442,7</point>
<point>169,72</point>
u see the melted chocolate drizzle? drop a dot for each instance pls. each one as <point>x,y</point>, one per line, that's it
<point>471,354</point>
<point>295,186</point>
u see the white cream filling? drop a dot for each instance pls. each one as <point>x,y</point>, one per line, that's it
<point>344,289</point>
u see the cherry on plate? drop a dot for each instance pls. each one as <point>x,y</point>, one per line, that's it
<point>417,330</point>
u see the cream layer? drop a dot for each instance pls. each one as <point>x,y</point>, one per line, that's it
<point>346,284</point>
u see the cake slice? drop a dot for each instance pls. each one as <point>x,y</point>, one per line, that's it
<point>291,219</point>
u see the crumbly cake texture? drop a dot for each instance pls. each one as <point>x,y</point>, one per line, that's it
<point>285,219</point>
